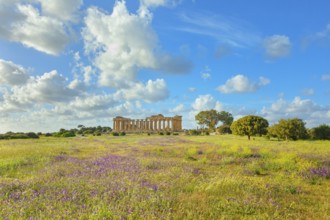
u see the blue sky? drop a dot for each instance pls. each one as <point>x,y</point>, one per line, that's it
<point>65,63</point>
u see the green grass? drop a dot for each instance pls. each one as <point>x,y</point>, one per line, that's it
<point>164,177</point>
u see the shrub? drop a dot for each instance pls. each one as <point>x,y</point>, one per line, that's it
<point>175,133</point>
<point>194,132</point>
<point>68,134</point>
<point>32,135</point>
<point>224,129</point>
<point>161,133</point>
<point>122,133</point>
<point>115,134</point>
<point>321,132</point>
<point>168,133</point>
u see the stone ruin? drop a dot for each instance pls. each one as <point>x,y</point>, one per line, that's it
<point>155,123</point>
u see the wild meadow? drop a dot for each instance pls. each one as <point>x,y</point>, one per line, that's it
<point>164,177</point>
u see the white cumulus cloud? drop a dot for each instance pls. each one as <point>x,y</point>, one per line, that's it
<point>12,74</point>
<point>152,91</point>
<point>46,28</point>
<point>242,84</point>
<point>62,9</point>
<point>277,46</point>
<point>313,114</point>
<point>177,109</point>
<point>206,102</point>
<point>122,43</point>
<point>50,88</point>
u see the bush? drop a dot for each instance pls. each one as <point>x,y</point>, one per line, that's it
<point>12,135</point>
<point>321,132</point>
<point>122,133</point>
<point>68,134</point>
<point>224,129</point>
<point>48,135</point>
<point>115,134</point>
<point>161,133</point>
<point>175,133</point>
<point>168,133</point>
<point>194,132</point>
<point>32,135</point>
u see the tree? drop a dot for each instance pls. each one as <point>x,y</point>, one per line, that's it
<point>224,129</point>
<point>211,118</point>
<point>322,132</point>
<point>226,118</point>
<point>250,125</point>
<point>286,129</point>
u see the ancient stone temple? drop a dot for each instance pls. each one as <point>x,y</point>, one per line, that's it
<point>155,123</point>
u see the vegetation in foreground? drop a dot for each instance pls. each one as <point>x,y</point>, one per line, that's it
<point>163,177</point>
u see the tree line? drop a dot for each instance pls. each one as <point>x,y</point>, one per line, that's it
<point>252,125</point>
<point>80,130</point>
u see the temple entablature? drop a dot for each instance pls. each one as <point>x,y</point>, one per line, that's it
<point>154,123</point>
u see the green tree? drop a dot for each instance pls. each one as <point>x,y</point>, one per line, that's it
<point>286,129</point>
<point>322,132</point>
<point>226,118</point>
<point>250,125</point>
<point>211,118</point>
<point>224,129</point>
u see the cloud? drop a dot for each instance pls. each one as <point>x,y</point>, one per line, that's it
<point>206,102</point>
<point>123,43</point>
<point>206,73</point>
<point>206,76</point>
<point>325,77</point>
<point>312,113</point>
<point>68,116</point>
<point>25,23</point>
<point>277,46</point>
<point>157,3</point>
<point>322,37</point>
<point>50,88</point>
<point>12,74</point>
<point>222,51</point>
<point>62,9</point>
<point>241,84</point>
<point>309,92</point>
<point>178,109</point>
<point>192,89</point>
<point>228,31</point>
<point>152,91</point>
<point>94,102</point>
<point>201,103</point>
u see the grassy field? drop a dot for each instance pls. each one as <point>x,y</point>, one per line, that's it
<point>164,177</point>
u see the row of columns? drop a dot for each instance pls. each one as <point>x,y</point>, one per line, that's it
<point>149,124</point>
